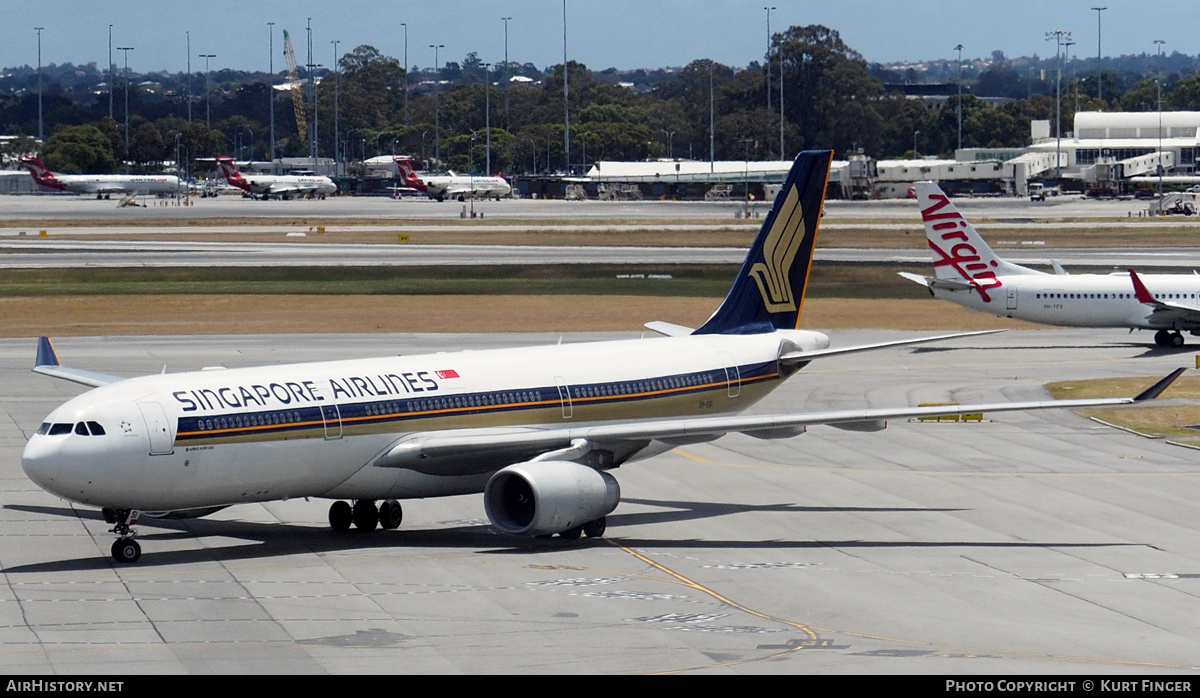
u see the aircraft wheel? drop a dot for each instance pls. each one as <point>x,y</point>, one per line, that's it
<point>572,533</point>
<point>390,515</point>
<point>1176,339</point>
<point>340,516</point>
<point>1162,338</point>
<point>366,515</point>
<point>126,550</point>
<point>595,529</point>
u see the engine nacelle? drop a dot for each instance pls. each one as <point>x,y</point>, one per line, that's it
<point>546,497</point>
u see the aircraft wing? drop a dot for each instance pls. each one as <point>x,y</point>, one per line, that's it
<point>47,364</point>
<point>279,189</point>
<point>571,443</point>
<point>1164,313</point>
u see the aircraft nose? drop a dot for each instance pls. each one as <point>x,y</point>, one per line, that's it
<point>42,462</point>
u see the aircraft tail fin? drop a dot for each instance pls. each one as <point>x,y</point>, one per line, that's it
<point>40,173</point>
<point>407,174</point>
<point>959,252</point>
<point>768,293</point>
<point>230,172</point>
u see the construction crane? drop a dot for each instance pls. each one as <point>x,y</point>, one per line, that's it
<point>297,92</point>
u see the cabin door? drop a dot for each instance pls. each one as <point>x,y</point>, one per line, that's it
<point>332,417</point>
<point>158,428</point>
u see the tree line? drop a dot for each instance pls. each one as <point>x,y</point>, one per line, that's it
<point>830,98</point>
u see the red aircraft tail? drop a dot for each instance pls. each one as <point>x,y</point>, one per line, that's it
<point>407,174</point>
<point>40,174</point>
<point>229,170</point>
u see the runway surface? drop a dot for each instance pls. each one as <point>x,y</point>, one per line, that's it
<point>1032,543</point>
<point>35,253</point>
<point>69,207</point>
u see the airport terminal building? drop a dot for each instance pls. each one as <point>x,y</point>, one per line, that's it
<point>1109,153</point>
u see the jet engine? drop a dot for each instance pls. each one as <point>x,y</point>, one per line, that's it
<point>547,497</point>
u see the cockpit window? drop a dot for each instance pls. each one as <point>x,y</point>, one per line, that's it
<point>81,429</point>
<point>44,429</point>
<point>96,429</point>
<point>60,429</point>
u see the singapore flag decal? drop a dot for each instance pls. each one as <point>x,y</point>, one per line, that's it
<point>450,373</point>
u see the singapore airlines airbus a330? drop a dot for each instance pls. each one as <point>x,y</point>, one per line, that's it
<point>537,431</point>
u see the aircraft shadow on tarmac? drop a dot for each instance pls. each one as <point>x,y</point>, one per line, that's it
<point>267,540</point>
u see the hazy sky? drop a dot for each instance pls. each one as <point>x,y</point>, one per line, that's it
<point>600,33</point>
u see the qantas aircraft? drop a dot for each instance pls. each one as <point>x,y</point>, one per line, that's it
<point>101,185</point>
<point>968,272</point>
<point>278,186</point>
<point>537,431</point>
<point>454,186</point>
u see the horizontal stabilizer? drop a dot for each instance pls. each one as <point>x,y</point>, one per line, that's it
<point>47,364</point>
<point>668,329</point>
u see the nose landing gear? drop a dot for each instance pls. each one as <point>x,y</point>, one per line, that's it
<point>125,549</point>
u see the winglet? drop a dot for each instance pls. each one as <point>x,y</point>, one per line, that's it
<point>46,356</point>
<point>1143,294</point>
<point>1157,389</point>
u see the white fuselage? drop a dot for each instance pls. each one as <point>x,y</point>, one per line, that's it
<point>111,184</point>
<point>216,437</point>
<point>467,187</point>
<point>282,185</point>
<point>1078,300</point>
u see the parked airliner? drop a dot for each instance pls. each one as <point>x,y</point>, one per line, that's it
<point>101,185</point>
<point>453,186</point>
<point>278,186</point>
<point>537,431</point>
<point>968,272</point>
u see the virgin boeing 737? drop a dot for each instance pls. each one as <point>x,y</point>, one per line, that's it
<point>101,185</point>
<point>537,431</point>
<point>968,272</point>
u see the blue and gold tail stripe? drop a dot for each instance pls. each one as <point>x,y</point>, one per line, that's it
<point>405,415</point>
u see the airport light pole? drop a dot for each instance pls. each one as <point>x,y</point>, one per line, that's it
<point>1067,59</point>
<point>712,133</point>
<point>1099,57</point>
<point>188,36</point>
<point>487,114</point>
<point>110,73</point>
<point>271,90</point>
<point>1058,36</point>
<point>126,49</point>
<point>405,72</point>
<point>1158,82</point>
<point>337,160</point>
<point>505,75</point>
<point>437,107</point>
<point>670,142</point>
<point>566,102</point>
<point>959,48</point>
<point>781,150</point>
<point>41,132</point>
<point>207,89</point>
<point>768,9</point>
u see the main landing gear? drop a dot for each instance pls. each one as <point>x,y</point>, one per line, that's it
<point>124,549</point>
<point>364,515</point>
<point>1167,338</point>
